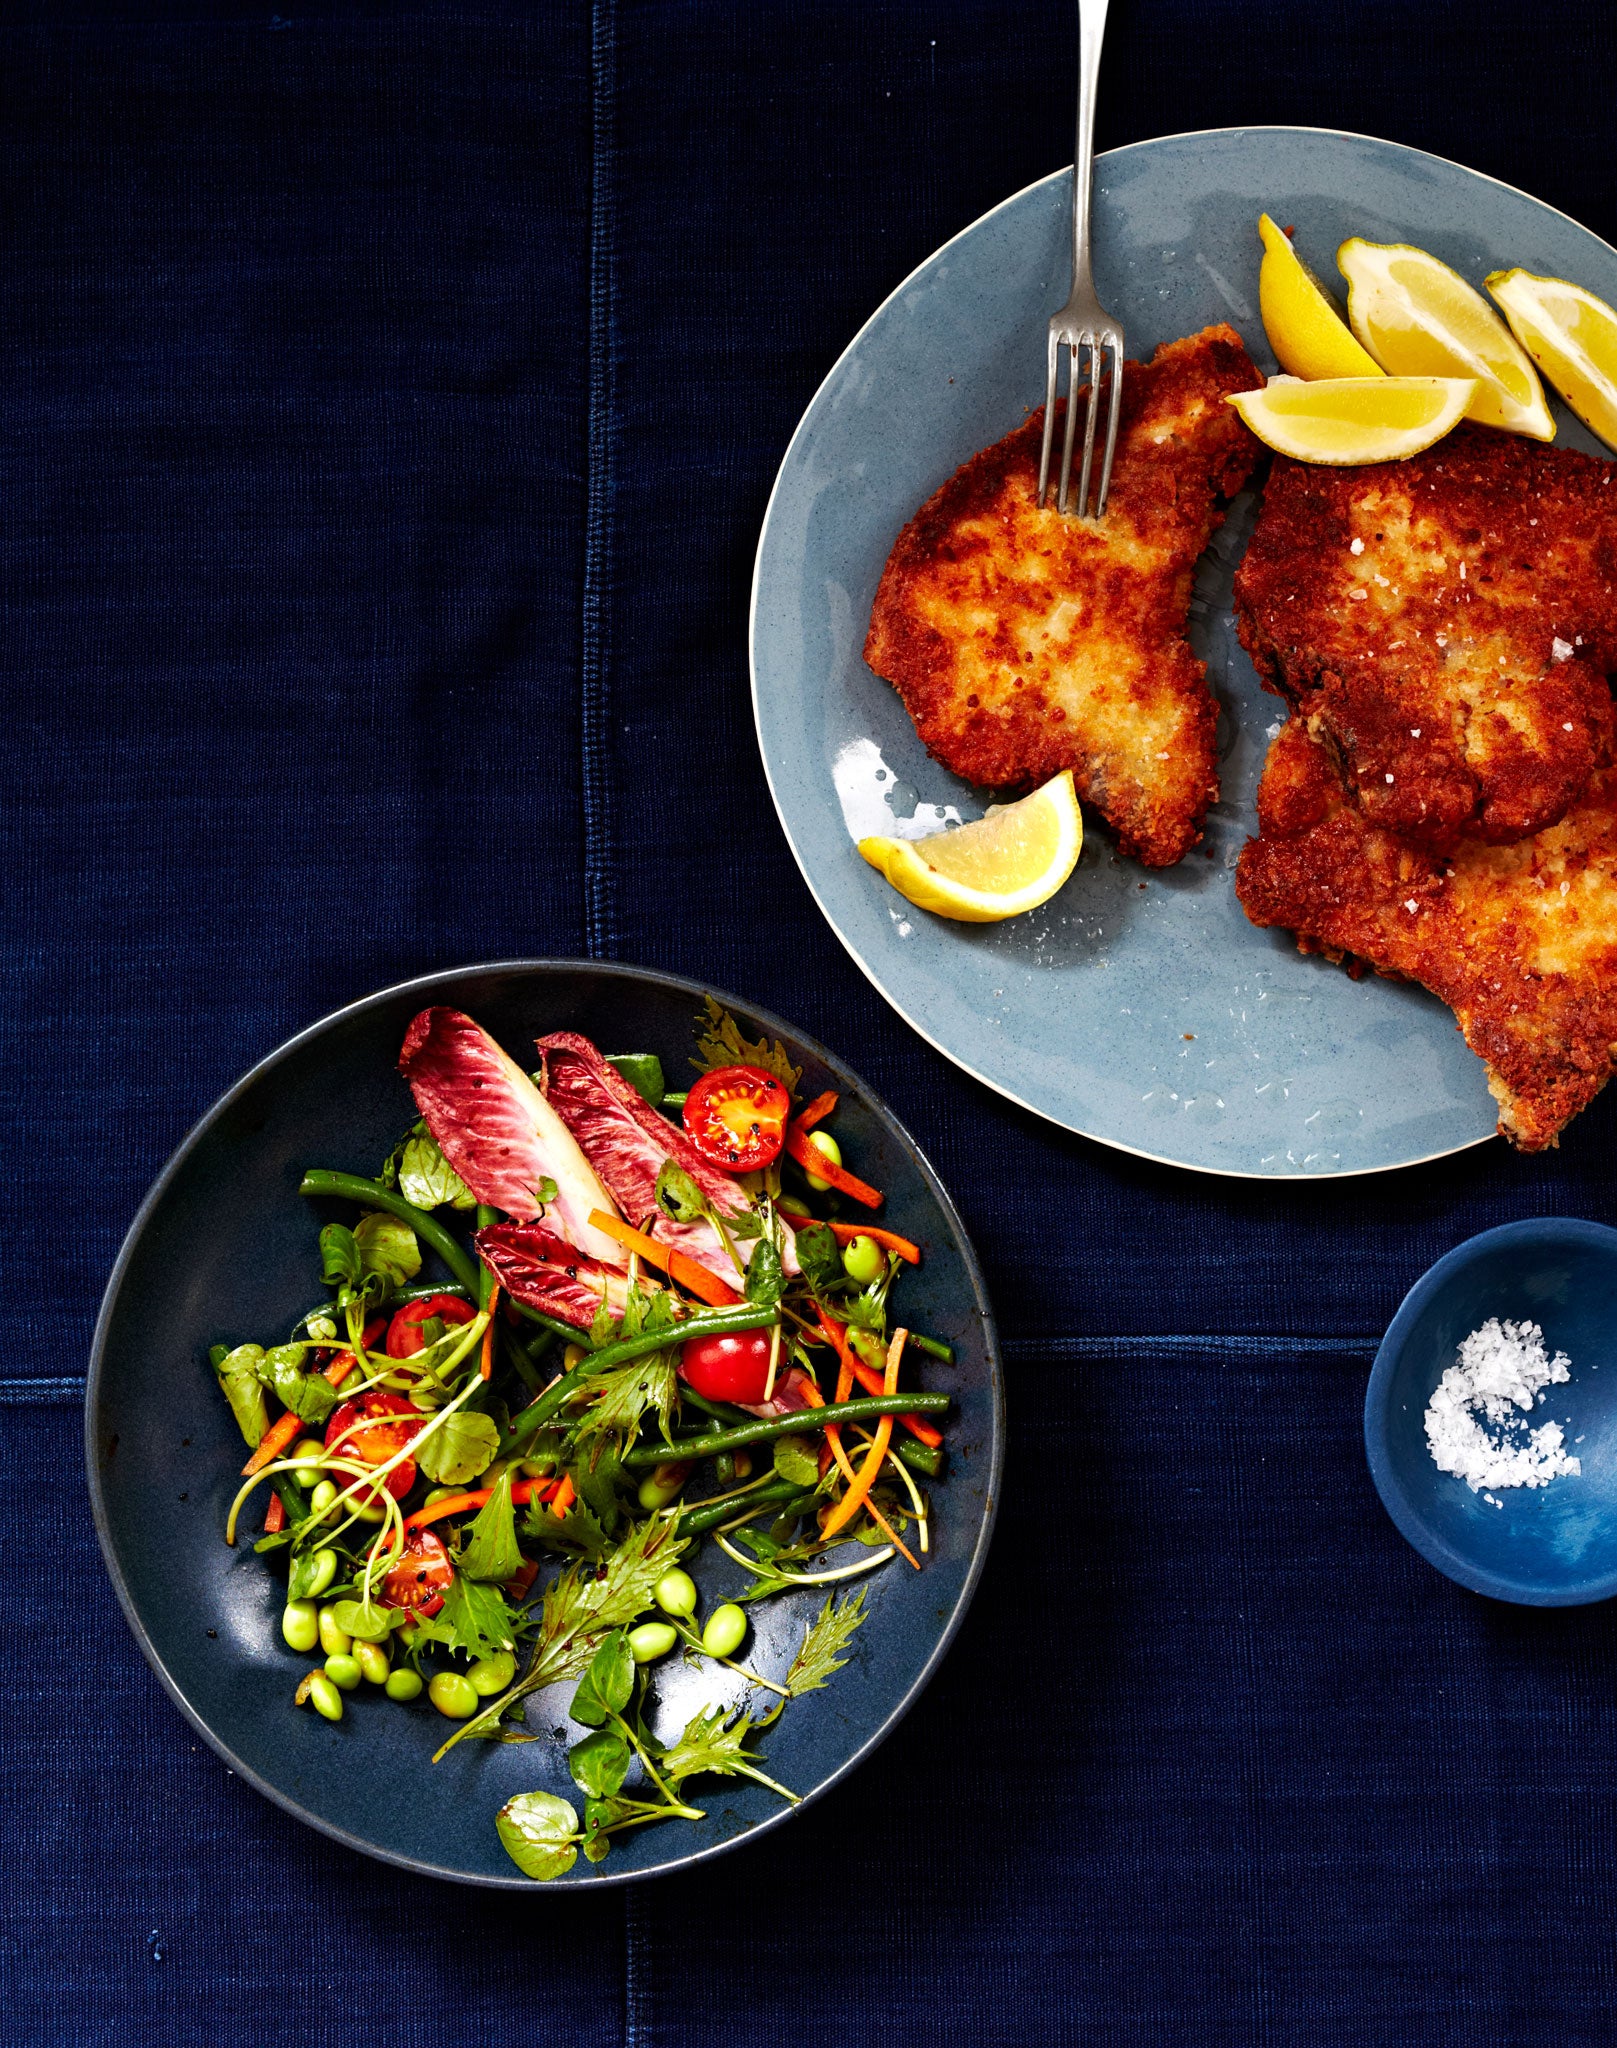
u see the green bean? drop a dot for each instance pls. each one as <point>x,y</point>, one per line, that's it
<point>293,1497</point>
<point>483,1216</point>
<point>425,1292</point>
<point>553,1324</point>
<point>710,1514</point>
<point>719,1410</point>
<point>351,1187</point>
<point>786,1425</point>
<point>934,1347</point>
<point>923,1458</point>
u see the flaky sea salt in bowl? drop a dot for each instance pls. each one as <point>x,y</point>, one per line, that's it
<point>1491,1417</point>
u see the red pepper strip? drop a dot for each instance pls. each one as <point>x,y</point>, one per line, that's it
<point>458,1503</point>
<point>856,1496</point>
<point>845,1233</point>
<point>566,1494</point>
<point>817,1112</point>
<point>685,1272</point>
<point>486,1368</point>
<point>833,1435</point>
<point>521,1580</point>
<point>814,1161</point>
<point>271,1444</point>
<point>872,1381</point>
<point>275,1516</point>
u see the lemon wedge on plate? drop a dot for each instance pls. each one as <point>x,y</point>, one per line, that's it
<point>1016,857</point>
<point>1354,419</point>
<point>1304,323</point>
<point>1572,336</point>
<point>1418,318</point>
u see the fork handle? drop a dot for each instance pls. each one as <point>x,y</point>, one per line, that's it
<point>1091,32</point>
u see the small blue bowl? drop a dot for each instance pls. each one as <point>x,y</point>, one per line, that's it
<point>1547,1546</point>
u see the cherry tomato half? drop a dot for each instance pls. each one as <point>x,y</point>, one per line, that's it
<point>378,1441</point>
<point>422,1573</point>
<point>404,1333</point>
<point>734,1368</point>
<point>736,1117</point>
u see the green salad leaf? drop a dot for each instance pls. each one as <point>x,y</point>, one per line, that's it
<point>797,1460</point>
<point>462,1445</point>
<point>339,1256</point>
<point>829,1633</point>
<point>605,1687</point>
<point>819,1256</point>
<point>721,1043</point>
<point>678,1196</point>
<point>426,1176</point>
<point>599,1763</point>
<point>387,1247</point>
<point>540,1833</point>
<point>310,1396</point>
<point>474,1618</point>
<point>712,1742</point>
<point>766,1282</point>
<point>491,1543</point>
<point>238,1374</point>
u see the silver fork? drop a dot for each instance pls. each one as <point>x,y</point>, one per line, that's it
<point>1083,322</point>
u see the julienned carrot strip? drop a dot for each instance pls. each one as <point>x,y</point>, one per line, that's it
<point>479,1496</point>
<point>486,1366</point>
<point>817,1112</point>
<point>854,1499</point>
<point>814,1161</point>
<point>845,1233</point>
<point>685,1272</point>
<point>833,1446</point>
<point>274,1440</point>
<point>275,1516</point>
<point>566,1494</point>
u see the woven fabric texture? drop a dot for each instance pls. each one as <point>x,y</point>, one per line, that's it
<point>392,395</point>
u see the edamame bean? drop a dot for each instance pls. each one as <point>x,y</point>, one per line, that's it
<point>662,1484</point>
<point>439,1493</point>
<point>676,1592</point>
<point>862,1260</point>
<point>822,1141</point>
<point>323,1566</point>
<point>310,1454</point>
<point>453,1694</point>
<point>651,1640</point>
<point>726,1626</point>
<point>324,1697</point>
<point>742,1461</point>
<point>372,1661</point>
<point>368,1508</point>
<point>494,1473</point>
<point>343,1672</point>
<point>300,1624</point>
<point>332,1639</point>
<point>490,1675</point>
<point>790,1205</point>
<point>537,1468</point>
<point>403,1684</point>
<point>322,1497</point>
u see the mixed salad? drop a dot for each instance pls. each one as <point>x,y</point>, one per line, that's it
<point>664,1324</point>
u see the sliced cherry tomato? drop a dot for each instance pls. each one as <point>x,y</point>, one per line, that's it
<point>378,1441</point>
<point>404,1334</point>
<point>736,1117</point>
<point>734,1368</point>
<point>421,1575</point>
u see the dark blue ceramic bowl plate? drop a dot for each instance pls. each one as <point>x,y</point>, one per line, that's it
<point>1549,1546</point>
<point>223,1250</point>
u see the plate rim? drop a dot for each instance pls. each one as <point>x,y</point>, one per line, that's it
<point>777,1026</point>
<point>1417,1533</point>
<point>1237,131</point>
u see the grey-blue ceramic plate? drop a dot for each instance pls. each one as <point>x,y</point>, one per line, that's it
<point>1137,1007</point>
<point>1545,1546</point>
<point>223,1250</point>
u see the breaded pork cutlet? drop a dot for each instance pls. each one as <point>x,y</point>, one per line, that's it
<point>1024,642</point>
<point>1520,941</point>
<point>1448,623</point>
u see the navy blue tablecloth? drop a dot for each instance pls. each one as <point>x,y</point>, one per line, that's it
<point>390,399</point>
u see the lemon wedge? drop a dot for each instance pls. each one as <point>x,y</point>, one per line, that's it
<point>1014,858</point>
<point>1354,419</point>
<point>1572,336</point>
<point>1304,323</point>
<point>1418,318</point>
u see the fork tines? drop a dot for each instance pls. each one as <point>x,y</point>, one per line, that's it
<point>1098,345</point>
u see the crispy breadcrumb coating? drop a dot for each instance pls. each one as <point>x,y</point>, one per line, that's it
<point>1024,642</point>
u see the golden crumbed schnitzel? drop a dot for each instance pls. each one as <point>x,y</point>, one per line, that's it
<point>1520,941</point>
<point>1449,623</point>
<point>1024,642</point>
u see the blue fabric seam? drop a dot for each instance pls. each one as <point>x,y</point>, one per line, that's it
<point>600,917</point>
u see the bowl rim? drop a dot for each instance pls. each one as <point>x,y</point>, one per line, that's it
<point>1410,1523</point>
<point>424,986</point>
